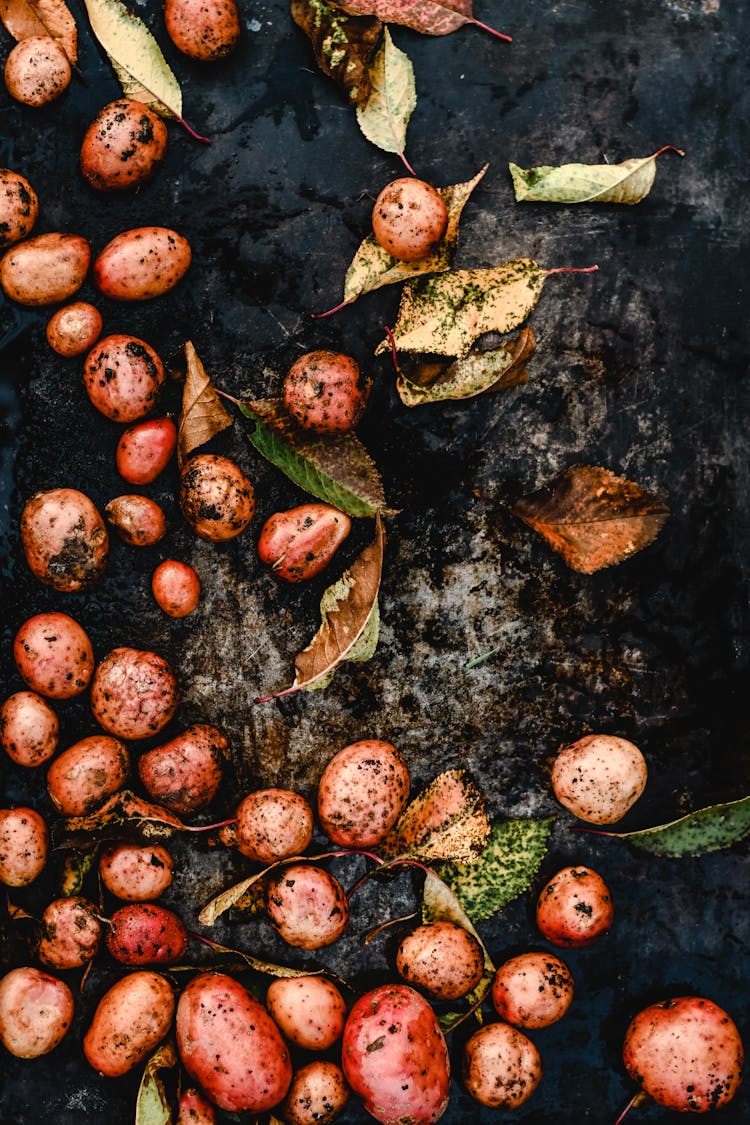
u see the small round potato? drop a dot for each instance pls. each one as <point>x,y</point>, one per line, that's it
<point>123,376</point>
<point>136,872</point>
<point>54,656</point>
<point>193,1109</point>
<point>326,392</point>
<point>310,1011</point>
<point>37,71</point>
<point>575,907</point>
<point>532,990</point>
<point>442,958</point>
<point>141,264</point>
<point>216,498</point>
<point>362,793</point>
<point>130,1020</point>
<point>145,450</point>
<point>133,693</point>
<point>122,146</point>
<point>273,824</point>
<point>28,729</point>
<point>301,542</point>
<point>307,906</point>
<point>19,207</point>
<point>146,934</point>
<point>176,588</point>
<point>206,30</point>
<point>46,269</point>
<point>24,844</point>
<point>599,777</point>
<point>317,1095</point>
<point>138,520</point>
<point>36,1010</point>
<point>83,776</point>
<point>183,775</point>
<point>501,1067</point>
<point>71,933</point>
<point>409,219</point>
<point>64,539</point>
<point>74,329</point>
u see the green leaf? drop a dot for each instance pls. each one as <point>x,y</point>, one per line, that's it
<point>75,868</point>
<point>440,904</point>
<point>503,871</point>
<point>448,820</point>
<point>702,831</point>
<point>385,117</point>
<point>477,373</point>
<point>344,45</point>
<point>628,182</point>
<point>336,469</point>
<point>152,1107</point>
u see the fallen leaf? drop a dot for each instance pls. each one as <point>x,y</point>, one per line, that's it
<point>430,17</point>
<point>203,414</point>
<point>702,831</point>
<point>75,868</point>
<point>350,622</point>
<point>234,895</point>
<point>440,904</point>
<point>17,913</point>
<point>385,116</point>
<point>448,820</point>
<point>593,518</point>
<point>269,968</point>
<point>477,373</point>
<point>24,18</point>
<point>126,808</point>
<point>344,45</point>
<point>628,182</point>
<point>152,1107</point>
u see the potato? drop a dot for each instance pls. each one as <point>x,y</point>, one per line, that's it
<point>273,824</point>
<point>362,793</point>
<point>141,264</point>
<point>122,146</point>
<point>298,544</point>
<point>395,1058</point>
<point>310,1011</point>
<point>64,539</point>
<point>205,30</point>
<point>501,1067</point>
<point>575,907</point>
<point>123,376</point>
<point>216,498</point>
<point>409,219</point>
<point>145,450</point>
<point>24,844</point>
<point>53,655</point>
<point>45,269</point>
<point>36,1010</point>
<point>83,776</point>
<point>136,872</point>
<point>599,777</point>
<point>138,520</point>
<point>176,588</point>
<point>442,958</point>
<point>37,71</point>
<point>146,934</point>
<point>317,1095</point>
<point>307,906</point>
<point>71,933</point>
<point>28,729</point>
<point>130,1020</point>
<point>230,1045</point>
<point>19,207</point>
<point>532,990</point>
<point>326,392</point>
<point>133,693</point>
<point>184,774</point>
<point>193,1109</point>
<point>74,329</point>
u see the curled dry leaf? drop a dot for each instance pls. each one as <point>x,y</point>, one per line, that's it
<point>151,1106</point>
<point>702,831</point>
<point>448,820</point>
<point>242,892</point>
<point>385,117</point>
<point>430,17</point>
<point>477,373</point>
<point>593,518</point>
<point>24,18</point>
<point>270,968</point>
<point>203,414</point>
<point>439,904</point>
<point>17,913</point>
<point>344,45</point>
<point>628,182</point>
<point>127,808</point>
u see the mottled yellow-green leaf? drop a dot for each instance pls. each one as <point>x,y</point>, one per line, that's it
<point>476,374</point>
<point>702,831</point>
<point>26,18</point>
<point>151,1106</point>
<point>385,116</point>
<point>628,182</point>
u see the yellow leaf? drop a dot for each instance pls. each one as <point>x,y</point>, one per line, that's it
<point>628,182</point>
<point>24,18</point>
<point>385,117</point>
<point>476,374</point>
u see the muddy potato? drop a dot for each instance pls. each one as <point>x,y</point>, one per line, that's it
<point>230,1045</point>
<point>64,539</point>
<point>193,1109</point>
<point>141,264</point>
<point>146,934</point>
<point>575,907</point>
<point>122,146</point>
<point>326,392</point>
<point>442,958</point>
<point>74,329</point>
<point>273,824</point>
<point>362,793</point>
<point>307,906</point>
<point>133,693</point>
<point>83,776</point>
<point>206,30</point>
<point>317,1095</point>
<point>176,588</point>
<point>36,1010</point>
<point>409,219</point>
<point>145,450</point>
<point>501,1067</point>
<point>24,844</point>
<point>37,71</point>
<point>28,729</point>
<point>216,497</point>
<point>19,207</point>
<point>138,520</point>
<point>301,542</point>
<point>599,777</point>
<point>53,655</point>
<point>123,376</point>
<point>130,1020</point>
<point>136,872</point>
<point>532,990</point>
<point>71,933</point>
<point>46,269</point>
<point>184,774</point>
<point>310,1011</point>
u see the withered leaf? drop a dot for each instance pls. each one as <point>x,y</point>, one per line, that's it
<point>385,116</point>
<point>477,373</point>
<point>593,518</point>
<point>242,891</point>
<point>127,808</point>
<point>17,913</point>
<point>152,1107</point>
<point>448,820</point>
<point>203,415</point>
<point>270,968</point>
<point>24,18</point>
<point>75,868</point>
<point>430,17</point>
<point>628,182</point>
<point>344,45</point>
<point>439,904</point>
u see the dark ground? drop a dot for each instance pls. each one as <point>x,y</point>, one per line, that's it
<point>639,368</point>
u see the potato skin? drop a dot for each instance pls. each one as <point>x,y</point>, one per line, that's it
<point>19,207</point>
<point>46,269</point>
<point>307,906</point>
<point>184,774</point>
<point>317,1095</point>
<point>71,933</point>
<point>301,542</point>
<point>24,844</point>
<point>326,392</point>
<point>176,588</point>
<point>53,655</point>
<point>28,729</point>
<point>130,1020</point>
<point>362,793</point>
<point>599,777</point>
<point>395,1058</point>
<point>193,1109</point>
<point>574,908</point>
<point>83,776</point>
<point>230,1045</point>
<point>409,218</point>
<point>37,71</point>
<point>273,824</point>
<point>136,872</point>
<point>501,1067</point>
<point>36,1010</point>
<point>133,693</point>
<point>146,934</point>
<point>145,450</point>
<point>310,1011</point>
<point>74,329</point>
<point>64,539</point>
<point>143,263</point>
<point>217,499</point>
<point>206,30</point>
<point>532,990</point>
<point>442,958</point>
<point>122,146</point>
<point>123,376</point>
<point>138,520</point>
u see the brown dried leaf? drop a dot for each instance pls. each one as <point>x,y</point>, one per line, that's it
<point>344,45</point>
<point>24,18</point>
<point>430,17</point>
<point>448,820</point>
<point>477,373</point>
<point>203,414</point>
<point>126,808</point>
<point>593,518</point>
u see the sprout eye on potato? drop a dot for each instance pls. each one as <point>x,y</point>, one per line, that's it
<point>599,777</point>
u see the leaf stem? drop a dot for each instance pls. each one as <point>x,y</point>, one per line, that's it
<point>592,831</point>
<point>668,148</point>
<point>571,269</point>
<point>330,312</point>
<point>209,827</point>
<point>406,163</point>
<point>635,1101</point>
<point>191,131</point>
<point>492,31</point>
<point>386,925</point>
<point>394,350</point>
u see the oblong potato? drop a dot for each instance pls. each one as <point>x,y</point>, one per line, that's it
<point>142,263</point>
<point>28,728</point>
<point>24,844</point>
<point>310,1011</point>
<point>36,1010</point>
<point>133,693</point>
<point>143,933</point>
<point>136,872</point>
<point>184,774</point>
<point>64,539</point>
<point>84,775</point>
<point>45,269</point>
<point>122,145</point>
<point>19,207</point>
<point>362,793</point>
<point>144,450</point>
<point>599,777</point>
<point>130,1020</point>
<point>53,655</point>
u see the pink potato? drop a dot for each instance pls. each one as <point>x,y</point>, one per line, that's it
<point>216,498</point>
<point>395,1057</point>
<point>46,269</point>
<point>123,376</point>
<point>532,990</point>
<point>133,693</point>
<point>326,392</point>
<point>146,934</point>
<point>36,1010</point>
<point>409,219</point>
<point>442,958</point>
<point>317,1095</point>
<point>176,588</point>
<point>74,329</point>
<point>136,872</point>
<point>24,845</point>
<point>599,777</point>
<point>83,776</point>
<point>28,729</point>
<point>310,1011</point>
<point>64,539</point>
<point>54,656</point>
<point>138,520</point>
<point>204,30</point>
<point>71,933</point>
<point>273,824</point>
<point>145,450</point>
<point>19,207</point>
<point>574,908</point>
<point>307,906</point>
<point>130,1020</point>
<point>362,793</point>
<point>122,146</point>
<point>298,544</point>
<point>184,774</point>
<point>141,264</point>
<point>230,1045</point>
<point>501,1067</point>
<point>37,70</point>
<point>193,1109</point>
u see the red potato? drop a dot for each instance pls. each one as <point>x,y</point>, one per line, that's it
<point>442,958</point>
<point>24,844</point>
<point>230,1045</point>
<point>83,776</point>
<point>130,1020</point>
<point>326,392</point>
<point>532,990</point>
<point>205,30</point>
<point>273,824</point>
<point>54,656</point>
<point>36,1010</point>
<point>216,497</point>
<point>145,450</point>
<point>409,219</point>
<point>685,1053</point>
<point>501,1067</point>
<point>141,264</point>
<point>133,693</point>
<point>19,207</point>
<point>575,907</point>
<point>307,906</point>
<point>395,1058</point>
<point>193,1109</point>
<point>362,793</point>
<point>317,1095</point>
<point>138,520</point>
<point>28,729</point>
<point>74,329</point>
<point>176,588</point>
<point>46,269</point>
<point>184,774</point>
<point>71,933</point>
<point>122,146</point>
<point>146,934</point>
<point>310,1011</point>
<point>37,71</point>
<point>123,376</point>
<point>599,777</point>
<point>64,539</point>
<point>136,872</point>
<point>298,544</point>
